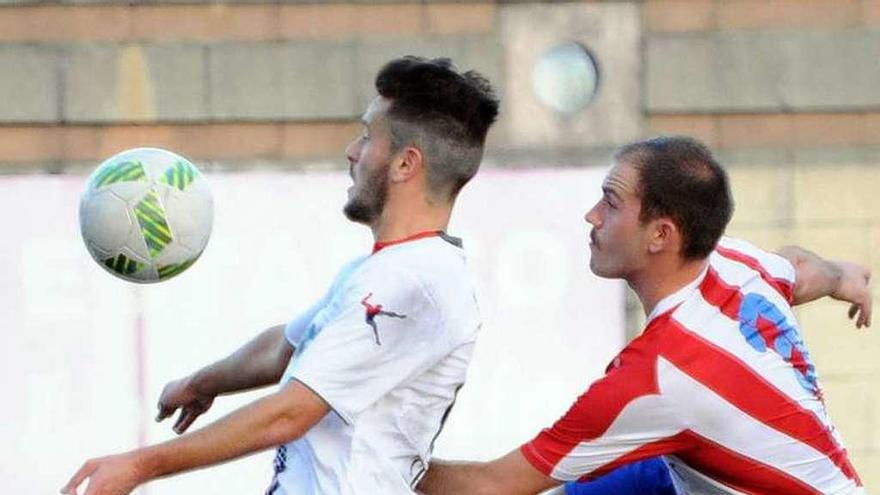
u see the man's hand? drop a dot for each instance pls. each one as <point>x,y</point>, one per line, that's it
<point>112,475</point>
<point>183,394</point>
<point>854,288</point>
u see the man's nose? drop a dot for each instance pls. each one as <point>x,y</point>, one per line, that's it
<point>592,217</point>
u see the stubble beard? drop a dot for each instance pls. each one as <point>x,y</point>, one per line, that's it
<point>368,202</point>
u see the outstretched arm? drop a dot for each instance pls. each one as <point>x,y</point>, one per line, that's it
<point>508,475</point>
<point>268,422</point>
<point>258,363</point>
<point>841,280</point>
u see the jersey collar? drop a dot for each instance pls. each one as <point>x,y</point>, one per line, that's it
<point>418,235</point>
<point>677,297</point>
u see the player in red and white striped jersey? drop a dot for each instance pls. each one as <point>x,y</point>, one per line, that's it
<point>720,379</point>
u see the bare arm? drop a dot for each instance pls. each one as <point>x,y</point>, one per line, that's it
<point>508,475</point>
<point>273,420</point>
<point>841,280</point>
<point>258,363</point>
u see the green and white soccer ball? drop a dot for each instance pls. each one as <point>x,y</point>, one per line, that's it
<point>146,214</point>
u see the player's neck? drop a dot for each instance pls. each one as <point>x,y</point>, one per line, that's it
<point>665,279</point>
<point>402,219</point>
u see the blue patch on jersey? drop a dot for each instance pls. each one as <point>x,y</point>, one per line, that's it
<point>779,335</point>
<point>308,336</point>
<point>323,316</point>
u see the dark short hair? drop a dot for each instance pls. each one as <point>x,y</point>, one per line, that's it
<point>444,112</point>
<point>680,179</point>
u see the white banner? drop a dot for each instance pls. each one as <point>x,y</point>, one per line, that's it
<point>86,355</point>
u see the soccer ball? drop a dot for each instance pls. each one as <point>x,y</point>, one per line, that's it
<point>146,214</point>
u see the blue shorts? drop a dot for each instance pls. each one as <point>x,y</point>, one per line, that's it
<point>647,477</point>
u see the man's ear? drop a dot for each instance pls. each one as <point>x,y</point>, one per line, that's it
<point>665,235</point>
<point>408,163</point>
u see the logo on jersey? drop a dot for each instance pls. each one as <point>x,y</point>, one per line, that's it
<point>765,327</point>
<point>374,310</point>
<point>280,465</point>
<point>417,470</point>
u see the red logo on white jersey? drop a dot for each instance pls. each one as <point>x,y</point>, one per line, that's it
<point>376,310</point>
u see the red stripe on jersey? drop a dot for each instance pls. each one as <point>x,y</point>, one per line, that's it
<point>726,375</point>
<point>781,285</point>
<point>753,477</point>
<point>594,411</point>
<point>718,293</point>
<point>800,363</point>
<point>768,332</point>
<point>675,443</point>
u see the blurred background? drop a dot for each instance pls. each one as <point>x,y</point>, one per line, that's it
<point>264,97</point>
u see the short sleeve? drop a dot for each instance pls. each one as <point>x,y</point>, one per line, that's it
<point>620,419</point>
<point>388,330</point>
<point>774,269</point>
<point>296,328</point>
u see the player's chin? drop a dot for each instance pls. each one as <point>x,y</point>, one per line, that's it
<point>599,269</point>
<point>358,212</point>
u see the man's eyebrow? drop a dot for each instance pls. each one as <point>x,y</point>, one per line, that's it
<point>610,192</point>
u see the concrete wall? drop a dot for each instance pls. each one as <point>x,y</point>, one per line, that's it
<point>831,208</point>
<point>784,90</point>
<point>215,81</point>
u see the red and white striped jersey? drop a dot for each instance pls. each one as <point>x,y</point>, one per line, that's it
<point>721,379</point>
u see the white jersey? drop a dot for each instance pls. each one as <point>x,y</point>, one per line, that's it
<point>387,348</point>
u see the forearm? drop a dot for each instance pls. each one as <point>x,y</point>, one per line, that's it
<point>258,363</point>
<point>816,277</point>
<point>508,475</point>
<point>268,422</point>
<point>456,477</point>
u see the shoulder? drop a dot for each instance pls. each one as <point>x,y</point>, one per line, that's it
<point>741,262</point>
<point>431,271</point>
<point>347,271</point>
<point>381,282</point>
<point>746,253</point>
<point>430,262</point>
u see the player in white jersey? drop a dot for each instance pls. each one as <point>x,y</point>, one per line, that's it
<point>387,349</point>
<point>720,379</point>
<point>369,373</point>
